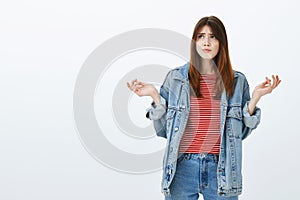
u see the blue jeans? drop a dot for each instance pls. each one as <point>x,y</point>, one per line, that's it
<point>196,173</point>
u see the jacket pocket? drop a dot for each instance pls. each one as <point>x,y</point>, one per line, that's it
<point>234,121</point>
<point>235,112</point>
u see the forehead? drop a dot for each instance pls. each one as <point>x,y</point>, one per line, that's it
<point>205,29</point>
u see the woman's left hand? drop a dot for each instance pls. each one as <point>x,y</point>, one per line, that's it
<point>262,89</point>
<point>266,87</point>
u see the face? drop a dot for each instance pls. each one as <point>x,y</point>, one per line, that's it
<point>207,44</point>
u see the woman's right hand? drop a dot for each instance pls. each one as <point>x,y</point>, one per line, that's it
<point>144,89</point>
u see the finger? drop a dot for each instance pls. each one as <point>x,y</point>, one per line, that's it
<point>136,87</point>
<point>141,83</point>
<point>267,81</point>
<point>274,82</point>
<point>129,86</point>
<point>278,80</point>
<point>133,81</point>
<point>132,84</point>
<point>138,92</point>
<point>263,83</point>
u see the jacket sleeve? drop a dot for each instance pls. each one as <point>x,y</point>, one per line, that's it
<point>157,113</point>
<point>250,122</point>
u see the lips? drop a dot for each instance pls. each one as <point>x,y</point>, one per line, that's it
<point>206,50</point>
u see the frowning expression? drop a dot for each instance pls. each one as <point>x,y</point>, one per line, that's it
<point>207,44</point>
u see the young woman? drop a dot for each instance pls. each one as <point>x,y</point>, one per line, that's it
<point>204,110</point>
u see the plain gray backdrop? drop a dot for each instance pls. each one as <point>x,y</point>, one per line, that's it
<point>43,45</point>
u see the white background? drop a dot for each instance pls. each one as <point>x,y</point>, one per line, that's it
<point>42,47</point>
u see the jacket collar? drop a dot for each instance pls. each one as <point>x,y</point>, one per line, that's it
<point>184,70</point>
<point>182,75</point>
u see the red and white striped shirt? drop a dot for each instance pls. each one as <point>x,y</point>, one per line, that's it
<point>202,133</point>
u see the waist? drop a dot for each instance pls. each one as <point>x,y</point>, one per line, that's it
<point>206,156</point>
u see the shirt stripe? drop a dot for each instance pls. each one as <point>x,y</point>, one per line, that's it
<point>202,133</point>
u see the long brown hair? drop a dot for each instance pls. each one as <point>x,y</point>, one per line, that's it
<point>225,77</point>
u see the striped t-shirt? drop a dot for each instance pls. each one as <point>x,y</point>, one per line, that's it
<point>202,133</point>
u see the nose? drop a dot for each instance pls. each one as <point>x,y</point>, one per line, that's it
<point>206,41</point>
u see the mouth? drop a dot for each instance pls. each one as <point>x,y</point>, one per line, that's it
<point>206,50</point>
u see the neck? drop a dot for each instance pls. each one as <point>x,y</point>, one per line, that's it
<point>207,66</point>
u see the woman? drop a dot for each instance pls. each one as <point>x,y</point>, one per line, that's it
<point>204,110</point>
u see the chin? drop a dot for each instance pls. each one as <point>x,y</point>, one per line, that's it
<point>206,57</point>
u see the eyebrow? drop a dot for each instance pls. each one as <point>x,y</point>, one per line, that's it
<point>204,33</point>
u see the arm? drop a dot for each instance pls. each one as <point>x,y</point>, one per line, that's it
<point>250,120</point>
<point>251,113</point>
<point>157,111</point>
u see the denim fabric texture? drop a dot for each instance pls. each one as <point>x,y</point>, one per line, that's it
<point>170,119</point>
<point>196,173</point>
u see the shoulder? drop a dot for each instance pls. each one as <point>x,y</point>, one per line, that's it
<point>238,74</point>
<point>180,71</point>
<point>240,78</point>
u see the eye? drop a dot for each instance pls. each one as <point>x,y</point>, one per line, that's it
<point>200,36</point>
<point>213,36</point>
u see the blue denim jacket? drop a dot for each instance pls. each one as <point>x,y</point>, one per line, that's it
<point>171,115</point>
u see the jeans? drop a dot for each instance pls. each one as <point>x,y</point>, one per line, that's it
<point>196,173</point>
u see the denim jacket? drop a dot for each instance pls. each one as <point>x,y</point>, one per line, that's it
<point>171,115</point>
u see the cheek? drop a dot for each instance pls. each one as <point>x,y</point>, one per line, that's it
<point>198,48</point>
<point>217,44</point>
<point>216,48</point>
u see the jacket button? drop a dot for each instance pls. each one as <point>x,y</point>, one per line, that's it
<point>176,128</point>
